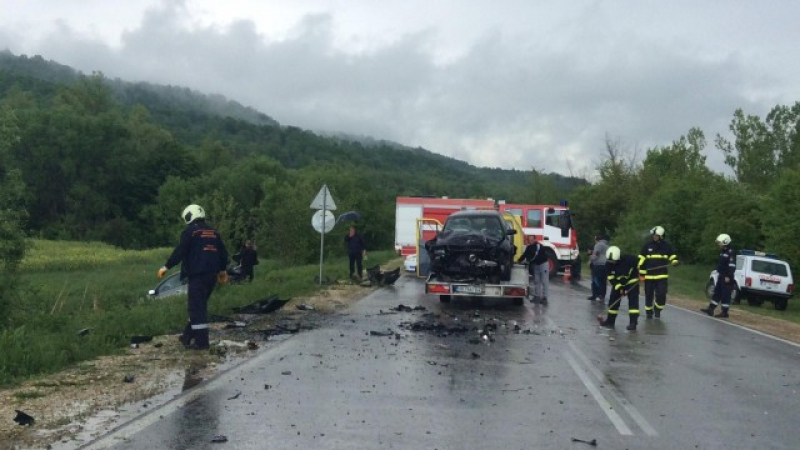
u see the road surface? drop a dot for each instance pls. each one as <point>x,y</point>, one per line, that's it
<point>478,374</point>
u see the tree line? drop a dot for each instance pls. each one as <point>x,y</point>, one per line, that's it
<point>758,206</point>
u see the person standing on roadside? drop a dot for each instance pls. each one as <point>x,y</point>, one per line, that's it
<point>654,261</point>
<point>726,265</point>
<point>248,257</point>
<point>597,261</point>
<point>356,251</point>
<point>539,268</point>
<point>203,259</point>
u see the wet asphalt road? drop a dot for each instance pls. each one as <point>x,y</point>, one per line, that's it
<point>684,382</point>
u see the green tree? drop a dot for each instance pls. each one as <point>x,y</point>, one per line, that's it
<point>752,154</point>
<point>781,214</point>
<point>12,211</point>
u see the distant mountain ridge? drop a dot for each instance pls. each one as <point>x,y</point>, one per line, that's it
<point>194,118</point>
<point>153,96</point>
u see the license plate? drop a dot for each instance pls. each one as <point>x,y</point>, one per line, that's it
<point>468,289</point>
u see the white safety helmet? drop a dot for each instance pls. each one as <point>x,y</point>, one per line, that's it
<point>192,213</point>
<point>723,239</point>
<point>613,253</point>
<point>658,229</point>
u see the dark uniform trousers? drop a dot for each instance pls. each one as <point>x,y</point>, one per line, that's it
<point>633,303</point>
<point>655,289</point>
<point>200,288</point>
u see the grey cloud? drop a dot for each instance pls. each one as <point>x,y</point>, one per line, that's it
<point>507,102</point>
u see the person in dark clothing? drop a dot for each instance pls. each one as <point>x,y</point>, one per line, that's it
<point>356,251</point>
<point>539,269</point>
<point>203,259</point>
<point>726,265</point>
<point>248,257</point>
<point>654,261</point>
<point>623,276</point>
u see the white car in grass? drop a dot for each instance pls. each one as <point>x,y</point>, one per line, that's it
<point>758,277</point>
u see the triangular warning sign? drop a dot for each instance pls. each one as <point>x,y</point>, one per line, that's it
<point>323,200</point>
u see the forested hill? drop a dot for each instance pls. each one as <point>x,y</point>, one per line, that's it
<point>117,162</point>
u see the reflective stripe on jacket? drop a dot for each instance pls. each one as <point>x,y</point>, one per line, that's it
<point>624,273</point>
<point>655,258</point>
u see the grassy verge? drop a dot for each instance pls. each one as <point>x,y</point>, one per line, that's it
<point>82,300</point>
<point>689,282</point>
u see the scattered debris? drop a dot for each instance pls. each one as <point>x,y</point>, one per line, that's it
<point>381,333</point>
<point>286,372</point>
<point>140,339</point>
<point>378,277</point>
<point>475,355</point>
<point>593,442</point>
<point>235,396</point>
<point>265,306</point>
<point>231,322</point>
<point>219,439</point>
<point>128,378</point>
<point>267,387</point>
<point>403,308</point>
<point>83,332</point>
<point>23,419</point>
<point>304,307</point>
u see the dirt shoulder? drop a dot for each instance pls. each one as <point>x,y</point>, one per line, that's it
<point>769,325</point>
<point>88,399</point>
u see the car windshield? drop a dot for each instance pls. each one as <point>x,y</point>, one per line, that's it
<point>769,267</point>
<point>471,225</point>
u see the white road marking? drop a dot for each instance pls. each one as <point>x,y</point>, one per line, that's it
<point>618,397</point>
<point>615,418</point>
<point>127,430</point>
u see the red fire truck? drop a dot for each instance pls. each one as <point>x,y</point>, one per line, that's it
<point>552,225</point>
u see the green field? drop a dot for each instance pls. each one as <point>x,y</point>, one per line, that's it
<point>67,287</point>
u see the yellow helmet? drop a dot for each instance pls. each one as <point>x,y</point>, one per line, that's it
<point>658,229</point>
<point>192,213</point>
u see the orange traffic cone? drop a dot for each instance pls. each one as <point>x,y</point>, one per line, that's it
<point>567,273</point>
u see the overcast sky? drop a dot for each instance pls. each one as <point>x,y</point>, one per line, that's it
<point>503,83</point>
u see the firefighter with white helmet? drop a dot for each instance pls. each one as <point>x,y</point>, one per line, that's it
<point>654,260</point>
<point>623,276</point>
<point>203,259</point>
<point>725,268</point>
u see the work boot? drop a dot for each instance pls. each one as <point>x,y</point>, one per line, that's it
<point>544,301</point>
<point>658,313</point>
<point>610,321</point>
<point>649,315</point>
<point>591,297</point>
<point>187,335</point>
<point>709,310</point>
<point>200,340</point>
<point>722,314</point>
<point>632,325</point>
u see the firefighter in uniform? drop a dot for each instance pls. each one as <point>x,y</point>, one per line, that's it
<point>726,265</point>
<point>203,259</point>
<point>654,259</point>
<point>623,276</point>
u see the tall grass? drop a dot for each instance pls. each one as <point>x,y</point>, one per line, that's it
<point>68,287</point>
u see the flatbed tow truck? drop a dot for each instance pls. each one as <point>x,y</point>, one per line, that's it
<point>516,288</point>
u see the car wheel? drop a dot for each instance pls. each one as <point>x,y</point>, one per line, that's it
<point>444,298</point>
<point>710,289</point>
<point>781,304</point>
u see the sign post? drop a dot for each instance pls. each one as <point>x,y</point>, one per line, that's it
<point>323,220</point>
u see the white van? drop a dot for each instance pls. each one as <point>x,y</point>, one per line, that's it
<point>758,277</point>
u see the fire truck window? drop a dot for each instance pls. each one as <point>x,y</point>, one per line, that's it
<point>534,218</point>
<point>515,211</point>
